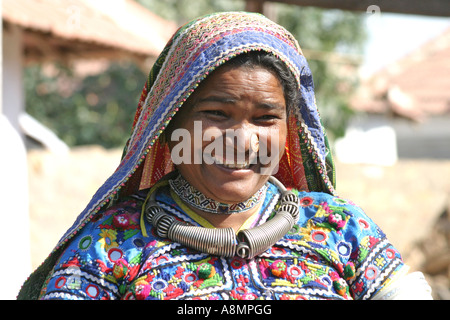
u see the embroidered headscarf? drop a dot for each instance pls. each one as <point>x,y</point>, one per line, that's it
<point>194,51</point>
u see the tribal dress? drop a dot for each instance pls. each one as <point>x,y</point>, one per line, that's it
<point>334,251</point>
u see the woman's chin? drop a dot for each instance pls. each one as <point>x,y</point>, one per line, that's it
<point>224,183</point>
<point>234,184</point>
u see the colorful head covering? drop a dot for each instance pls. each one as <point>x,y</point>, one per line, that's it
<point>193,52</point>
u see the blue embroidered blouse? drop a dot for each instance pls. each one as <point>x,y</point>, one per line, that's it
<point>333,252</point>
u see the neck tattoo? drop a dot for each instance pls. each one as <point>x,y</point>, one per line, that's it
<point>198,200</point>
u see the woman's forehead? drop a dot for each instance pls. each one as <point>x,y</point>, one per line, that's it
<point>229,85</point>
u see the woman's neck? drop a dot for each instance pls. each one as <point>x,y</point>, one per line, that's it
<point>234,221</point>
<point>216,214</point>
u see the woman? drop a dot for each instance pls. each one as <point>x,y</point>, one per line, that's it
<point>226,187</point>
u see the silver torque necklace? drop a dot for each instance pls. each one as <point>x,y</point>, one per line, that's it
<point>223,241</point>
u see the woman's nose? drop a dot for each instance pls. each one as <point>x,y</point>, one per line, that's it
<point>243,139</point>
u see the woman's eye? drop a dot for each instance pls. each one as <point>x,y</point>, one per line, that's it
<point>216,113</point>
<point>267,117</point>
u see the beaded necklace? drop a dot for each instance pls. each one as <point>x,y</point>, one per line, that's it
<point>196,199</point>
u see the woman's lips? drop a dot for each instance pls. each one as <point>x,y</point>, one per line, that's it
<point>230,165</point>
<point>236,165</point>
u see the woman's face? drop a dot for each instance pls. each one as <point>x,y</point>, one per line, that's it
<point>232,110</point>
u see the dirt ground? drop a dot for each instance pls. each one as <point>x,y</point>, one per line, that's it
<point>410,201</point>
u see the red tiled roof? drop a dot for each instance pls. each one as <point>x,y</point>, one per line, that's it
<point>414,87</point>
<point>133,28</point>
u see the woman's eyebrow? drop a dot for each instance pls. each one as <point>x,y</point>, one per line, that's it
<point>271,106</point>
<point>197,103</point>
<point>216,99</point>
<point>267,106</point>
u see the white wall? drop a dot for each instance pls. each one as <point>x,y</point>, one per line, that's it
<point>368,140</point>
<point>381,140</point>
<point>15,264</point>
<point>13,100</point>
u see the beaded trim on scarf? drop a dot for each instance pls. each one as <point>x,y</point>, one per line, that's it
<point>196,199</point>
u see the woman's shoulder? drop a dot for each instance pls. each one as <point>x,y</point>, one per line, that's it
<point>323,196</point>
<point>102,256</point>
<point>339,231</point>
<point>112,231</point>
<point>326,200</point>
<point>336,213</point>
<point>123,214</point>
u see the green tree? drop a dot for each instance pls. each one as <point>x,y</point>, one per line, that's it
<point>96,109</point>
<point>330,40</point>
<point>182,11</point>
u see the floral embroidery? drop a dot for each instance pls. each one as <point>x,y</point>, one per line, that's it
<point>349,271</point>
<point>206,271</point>
<point>278,268</point>
<point>142,289</point>
<point>108,238</point>
<point>121,221</point>
<point>323,257</point>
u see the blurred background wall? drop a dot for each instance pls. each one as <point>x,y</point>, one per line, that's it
<point>72,72</point>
